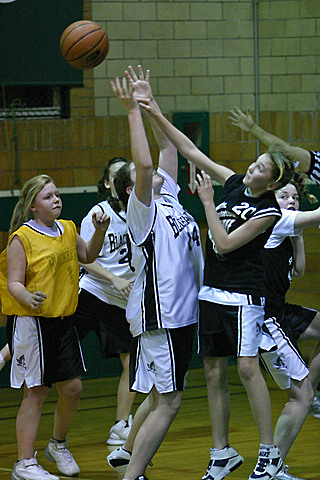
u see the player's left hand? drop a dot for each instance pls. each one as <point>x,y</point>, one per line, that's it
<point>241,119</point>
<point>141,85</point>
<point>204,187</point>
<point>101,221</point>
<point>124,93</point>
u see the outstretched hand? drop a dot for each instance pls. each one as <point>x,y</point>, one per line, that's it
<point>204,188</point>
<point>241,119</point>
<point>124,94</point>
<point>142,90</point>
<point>101,221</point>
<point>141,86</point>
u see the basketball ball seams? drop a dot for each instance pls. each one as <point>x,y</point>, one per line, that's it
<point>72,30</point>
<point>88,51</point>
<point>93,61</point>
<point>84,44</point>
<point>74,27</point>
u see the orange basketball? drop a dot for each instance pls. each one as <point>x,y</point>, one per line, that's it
<point>84,44</point>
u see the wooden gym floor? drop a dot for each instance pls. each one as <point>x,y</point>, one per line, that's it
<point>184,454</point>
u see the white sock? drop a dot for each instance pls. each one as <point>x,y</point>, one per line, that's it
<point>1,358</point>
<point>219,449</point>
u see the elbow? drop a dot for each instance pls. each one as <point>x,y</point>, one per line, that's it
<point>221,246</point>
<point>298,273</point>
<point>84,259</point>
<point>148,168</point>
<point>89,259</point>
<point>10,289</point>
<point>145,168</point>
<point>226,248</point>
<point>222,249</point>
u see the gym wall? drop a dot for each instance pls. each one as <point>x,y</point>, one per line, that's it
<point>204,56</point>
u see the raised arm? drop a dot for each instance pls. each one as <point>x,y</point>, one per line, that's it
<point>186,147</point>
<point>168,159</point>
<point>227,242</point>
<point>88,252</point>
<point>310,218</point>
<point>139,145</point>
<point>245,122</point>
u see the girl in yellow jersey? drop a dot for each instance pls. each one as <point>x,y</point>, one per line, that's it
<point>39,280</point>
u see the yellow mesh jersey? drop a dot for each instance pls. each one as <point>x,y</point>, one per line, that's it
<point>52,268</point>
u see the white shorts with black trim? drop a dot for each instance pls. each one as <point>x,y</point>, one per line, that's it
<point>283,361</point>
<point>160,359</point>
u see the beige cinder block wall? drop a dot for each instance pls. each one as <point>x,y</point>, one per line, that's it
<point>211,55</point>
<point>203,56</point>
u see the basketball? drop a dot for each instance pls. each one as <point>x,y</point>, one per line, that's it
<point>84,44</point>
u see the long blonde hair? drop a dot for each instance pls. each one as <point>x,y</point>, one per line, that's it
<point>282,165</point>
<point>22,212</point>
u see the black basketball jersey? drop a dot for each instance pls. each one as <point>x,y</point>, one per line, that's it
<point>278,263</point>
<point>314,170</point>
<point>241,270</point>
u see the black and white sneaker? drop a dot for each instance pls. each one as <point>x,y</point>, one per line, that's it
<point>269,463</point>
<point>119,459</point>
<point>222,462</point>
<point>314,409</point>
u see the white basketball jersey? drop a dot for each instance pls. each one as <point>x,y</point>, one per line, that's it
<point>168,262</point>
<point>283,228</point>
<point>113,255</point>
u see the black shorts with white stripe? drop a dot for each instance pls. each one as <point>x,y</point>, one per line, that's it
<point>107,321</point>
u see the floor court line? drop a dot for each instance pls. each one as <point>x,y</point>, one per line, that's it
<point>60,476</point>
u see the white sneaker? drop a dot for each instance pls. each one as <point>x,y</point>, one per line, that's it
<point>119,432</point>
<point>61,455</point>
<point>222,462</point>
<point>284,475</point>
<point>269,463</point>
<point>119,460</point>
<point>30,470</point>
<point>315,407</point>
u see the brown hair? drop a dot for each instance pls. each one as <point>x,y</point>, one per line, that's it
<point>103,192</point>
<point>122,181</point>
<point>299,181</point>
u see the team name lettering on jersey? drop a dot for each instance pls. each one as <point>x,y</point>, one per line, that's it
<point>117,241</point>
<point>56,261</point>
<point>178,223</point>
